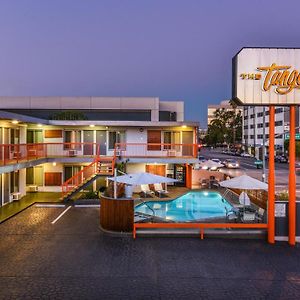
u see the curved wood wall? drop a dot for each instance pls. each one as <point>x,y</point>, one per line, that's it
<point>116,214</point>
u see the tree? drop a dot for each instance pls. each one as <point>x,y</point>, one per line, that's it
<point>287,144</point>
<point>68,115</point>
<point>226,127</point>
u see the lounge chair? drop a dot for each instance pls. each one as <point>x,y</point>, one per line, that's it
<point>247,216</point>
<point>146,190</point>
<point>159,190</point>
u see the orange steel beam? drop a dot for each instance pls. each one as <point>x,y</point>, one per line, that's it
<point>271,181</point>
<point>200,226</point>
<point>292,179</point>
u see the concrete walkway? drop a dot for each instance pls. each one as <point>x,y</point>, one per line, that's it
<point>15,207</point>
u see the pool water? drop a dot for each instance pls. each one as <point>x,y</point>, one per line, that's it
<point>189,207</point>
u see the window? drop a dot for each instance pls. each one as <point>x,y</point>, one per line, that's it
<point>252,136</point>
<point>72,139</point>
<point>252,126</point>
<point>115,137</point>
<point>171,137</point>
<point>252,116</point>
<point>278,123</point>
<point>34,175</point>
<point>245,136</point>
<point>260,136</point>
<point>70,171</point>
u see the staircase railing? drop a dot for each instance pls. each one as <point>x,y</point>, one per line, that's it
<point>78,178</point>
<point>87,172</point>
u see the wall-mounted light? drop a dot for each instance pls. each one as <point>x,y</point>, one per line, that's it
<point>15,121</point>
<point>54,164</point>
<point>106,127</point>
<point>184,126</point>
<point>39,125</point>
<point>92,125</point>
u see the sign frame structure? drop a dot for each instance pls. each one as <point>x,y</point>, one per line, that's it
<point>271,77</point>
<point>266,76</point>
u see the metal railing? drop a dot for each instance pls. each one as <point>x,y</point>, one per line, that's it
<point>16,153</point>
<point>162,150</point>
<point>80,177</point>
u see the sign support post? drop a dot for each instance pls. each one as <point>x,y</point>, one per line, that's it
<point>271,181</point>
<point>292,179</point>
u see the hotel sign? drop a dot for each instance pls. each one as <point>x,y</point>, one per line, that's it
<point>264,76</point>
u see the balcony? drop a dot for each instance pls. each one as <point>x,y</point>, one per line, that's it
<point>11,154</point>
<point>155,150</point>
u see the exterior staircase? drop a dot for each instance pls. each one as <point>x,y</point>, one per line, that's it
<point>101,166</point>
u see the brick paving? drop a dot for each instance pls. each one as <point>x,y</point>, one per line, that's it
<point>72,259</point>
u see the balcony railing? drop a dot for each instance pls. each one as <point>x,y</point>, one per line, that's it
<point>149,150</point>
<point>16,153</point>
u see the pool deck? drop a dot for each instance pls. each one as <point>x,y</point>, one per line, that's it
<point>173,193</point>
<point>10,209</point>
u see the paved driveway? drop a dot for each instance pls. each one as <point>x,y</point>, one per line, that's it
<point>72,259</point>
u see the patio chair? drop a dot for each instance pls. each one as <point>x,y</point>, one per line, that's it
<point>204,183</point>
<point>146,190</point>
<point>159,190</point>
<point>214,183</point>
<point>259,216</point>
<point>248,217</point>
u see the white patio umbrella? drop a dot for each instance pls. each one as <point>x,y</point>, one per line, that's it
<point>141,178</point>
<point>210,164</point>
<point>244,182</point>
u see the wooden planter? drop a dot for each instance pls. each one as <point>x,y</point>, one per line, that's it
<point>116,214</point>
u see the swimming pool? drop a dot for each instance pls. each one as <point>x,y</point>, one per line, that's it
<point>189,207</point>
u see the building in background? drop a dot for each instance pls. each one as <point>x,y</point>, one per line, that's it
<point>50,144</point>
<point>225,104</point>
<point>253,128</point>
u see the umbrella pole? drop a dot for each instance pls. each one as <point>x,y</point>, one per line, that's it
<point>115,183</point>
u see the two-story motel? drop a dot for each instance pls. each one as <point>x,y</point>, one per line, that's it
<point>56,143</point>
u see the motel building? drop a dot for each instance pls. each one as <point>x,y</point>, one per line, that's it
<point>68,144</point>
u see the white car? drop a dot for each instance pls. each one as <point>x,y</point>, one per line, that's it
<point>216,160</point>
<point>245,154</point>
<point>231,163</point>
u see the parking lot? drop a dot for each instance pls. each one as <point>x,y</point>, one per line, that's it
<point>60,253</point>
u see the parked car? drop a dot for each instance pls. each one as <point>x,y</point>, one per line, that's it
<point>246,154</point>
<point>258,163</point>
<point>231,163</point>
<point>281,159</point>
<point>202,158</point>
<point>216,160</point>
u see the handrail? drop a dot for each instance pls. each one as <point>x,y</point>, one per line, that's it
<point>156,149</point>
<point>77,178</point>
<point>153,211</point>
<point>14,153</point>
